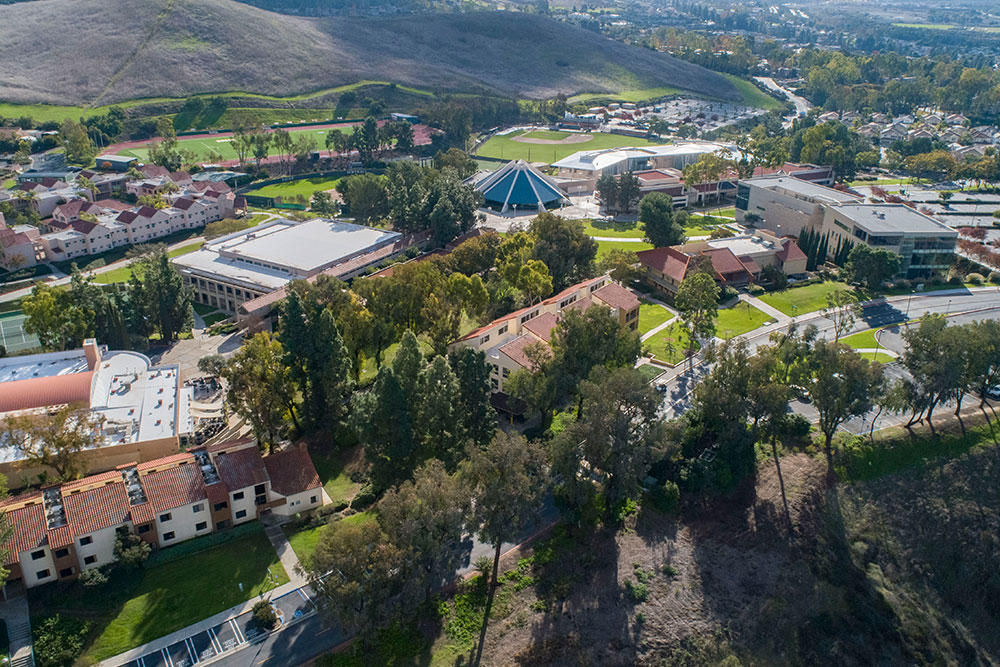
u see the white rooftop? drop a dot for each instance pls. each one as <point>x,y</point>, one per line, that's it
<point>274,253</point>
<point>601,159</point>
<point>894,219</point>
<point>46,364</point>
<point>808,189</point>
<point>745,245</point>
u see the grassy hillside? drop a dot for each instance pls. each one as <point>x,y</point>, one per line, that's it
<point>175,48</point>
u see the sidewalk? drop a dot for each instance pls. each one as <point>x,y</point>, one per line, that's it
<point>767,309</point>
<point>284,550</point>
<point>14,612</point>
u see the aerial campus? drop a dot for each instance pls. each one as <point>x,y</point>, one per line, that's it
<point>499,333</point>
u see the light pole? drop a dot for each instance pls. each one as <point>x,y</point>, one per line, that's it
<point>948,309</point>
<point>908,300</point>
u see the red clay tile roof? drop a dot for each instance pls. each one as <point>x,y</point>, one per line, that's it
<point>146,212</point>
<point>166,460</point>
<point>71,208</point>
<point>668,261</point>
<point>174,487</point>
<point>581,304</point>
<point>217,492</point>
<point>725,262</point>
<point>115,205</point>
<point>241,468</point>
<point>515,350</point>
<point>44,391</point>
<point>103,507</point>
<point>291,471</point>
<point>127,217</point>
<point>30,530</point>
<point>790,251</point>
<point>142,513</point>
<point>60,537</point>
<point>93,479</point>
<point>543,325</point>
<point>749,264</point>
<point>183,203</point>
<point>83,226</point>
<point>153,170</point>
<point>618,297</point>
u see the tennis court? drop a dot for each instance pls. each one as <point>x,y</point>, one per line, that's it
<point>12,334</point>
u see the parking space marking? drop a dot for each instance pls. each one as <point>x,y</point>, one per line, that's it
<point>191,651</point>
<point>166,657</point>
<point>240,639</point>
<point>215,641</point>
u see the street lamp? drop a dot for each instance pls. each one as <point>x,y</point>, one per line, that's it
<point>948,309</point>
<point>908,300</point>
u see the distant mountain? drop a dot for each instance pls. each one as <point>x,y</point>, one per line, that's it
<point>102,51</point>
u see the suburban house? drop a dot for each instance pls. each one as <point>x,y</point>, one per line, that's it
<point>19,246</point>
<point>786,205</point>
<point>505,339</point>
<point>60,531</point>
<point>139,411</point>
<point>925,245</point>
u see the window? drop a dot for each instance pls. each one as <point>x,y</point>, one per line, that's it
<point>90,560</point>
<point>222,525</point>
<point>35,555</point>
<point>502,330</point>
<point>259,489</point>
<point>201,525</point>
<point>168,536</point>
<point>144,529</point>
<point>42,574</point>
<point>506,373</point>
<point>241,514</point>
<point>66,572</point>
<point>62,553</point>
<point>200,507</point>
<point>312,499</point>
<point>84,541</point>
<point>166,516</point>
<point>220,506</point>
<point>484,339</point>
<point>238,495</point>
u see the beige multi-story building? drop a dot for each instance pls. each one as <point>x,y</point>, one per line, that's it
<point>506,339</point>
<point>786,205</point>
<point>61,531</point>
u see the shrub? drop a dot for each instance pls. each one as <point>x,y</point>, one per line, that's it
<point>95,577</point>
<point>637,591</point>
<point>955,280</point>
<point>366,496</point>
<point>994,277</point>
<point>975,278</point>
<point>796,425</point>
<point>666,497</point>
<point>756,290</point>
<point>263,614</point>
<point>58,641</point>
<point>131,551</point>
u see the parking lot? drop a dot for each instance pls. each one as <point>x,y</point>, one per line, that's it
<point>226,636</point>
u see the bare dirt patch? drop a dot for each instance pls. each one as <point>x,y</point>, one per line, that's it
<point>571,139</point>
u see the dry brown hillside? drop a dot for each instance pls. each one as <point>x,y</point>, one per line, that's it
<point>102,51</point>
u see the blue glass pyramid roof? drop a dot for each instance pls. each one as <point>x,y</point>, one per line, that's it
<point>518,183</point>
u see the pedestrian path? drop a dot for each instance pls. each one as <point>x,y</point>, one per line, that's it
<point>776,314</point>
<point>285,552</point>
<point>14,612</point>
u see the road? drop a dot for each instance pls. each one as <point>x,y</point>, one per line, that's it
<point>801,104</point>
<point>961,307</point>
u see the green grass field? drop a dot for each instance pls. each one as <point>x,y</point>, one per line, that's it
<point>124,273</point>
<point>861,340</point>
<point>304,187</point>
<point>739,319</point>
<point>926,26</point>
<point>880,357</point>
<point>801,300</point>
<point>160,599</point>
<point>304,541</point>
<point>223,145</point>
<point>622,230</point>
<point>604,247</point>
<point>330,468</point>
<point>639,95</point>
<point>652,315</point>
<point>754,96</point>
<point>503,146</point>
<point>669,345</point>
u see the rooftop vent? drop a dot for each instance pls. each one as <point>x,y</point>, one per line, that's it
<point>55,515</point>
<point>208,471</point>
<point>136,494</point>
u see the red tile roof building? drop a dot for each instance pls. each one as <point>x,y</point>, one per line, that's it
<point>61,530</point>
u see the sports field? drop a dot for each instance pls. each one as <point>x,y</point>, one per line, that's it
<point>203,146</point>
<point>508,148</point>
<point>305,187</point>
<point>12,334</point>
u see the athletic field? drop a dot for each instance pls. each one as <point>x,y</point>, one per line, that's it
<point>522,144</point>
<point>202,146</point>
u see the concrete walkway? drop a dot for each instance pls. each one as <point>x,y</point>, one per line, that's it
<point>768,310</point>
<point>285,552</point>
<point>657,329</point>
<point>14,612</point>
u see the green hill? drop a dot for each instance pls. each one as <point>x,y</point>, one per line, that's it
<point>83,52</point>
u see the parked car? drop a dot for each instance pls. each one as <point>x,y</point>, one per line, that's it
<point>993,393</point>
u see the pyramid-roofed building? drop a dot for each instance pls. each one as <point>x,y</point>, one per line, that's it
<point>518,184</point>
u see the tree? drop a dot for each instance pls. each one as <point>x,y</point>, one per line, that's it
<point>773,276</point>
<point>565,248</point>
<point>162,294</point>
<point>76,142</point>
<point>456,159</point>
<point>284,144</point>
<point>166,152</point>
<point>841,308</point>
<point>844,385</point>
<point>697,300</point>
<point>473,375</point>
<point>621,265</point>
<point>425,519</point>
<point>130,550</point>
<point>263,614</point>
<point>212,364</point>
<point>628,192</point>
<point>614,441</point>
<point>507,480</point>
<point>656,212</point>
<point>406,190</point>
<point>934,356</point>
<point>51,316</point>
<point>358,577</point>
<point>260,386</point>
<point>55,440</point>
<point>323,204</point>
<point>438,424</point>
<point>364,196</point>
<point>607,192</point>
<point>871,266</point>
<point>382,420</point>
<point>260,145</point>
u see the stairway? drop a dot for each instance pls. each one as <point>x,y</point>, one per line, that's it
<point>20,635</point>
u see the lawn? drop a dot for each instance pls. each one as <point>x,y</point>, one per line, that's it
<point>604,247</point>
<point>649,371</point>
<point>504,147</point>
<point>304,541</point>
<point>185,249</point>
<point>332,470</point>
<point>754,96</point>
<point>638,95</point>
<point>926,26</point>
<point>880,357</point>
<point>739,319</point>
<point>729,212</point>
<point>800,300</point>
<point>621,230</point>
<point>652,315</point>
<point>290,189</point>
<point>861,340</point>
<point>120,275</point>
<point>223,145</point>
<point>701,225</point>
<point>135,609</point>
<point>215,318</point>
<point>203,309</point>
<point>669,345</point>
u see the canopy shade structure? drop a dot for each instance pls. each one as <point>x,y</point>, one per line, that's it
<point>518,184</point>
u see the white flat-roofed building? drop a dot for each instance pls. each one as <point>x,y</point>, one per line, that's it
<point>236,268</point>
<point>140,411</point>
<point>786,205</point>
<point>925,246</point>
<point>613,161</point>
